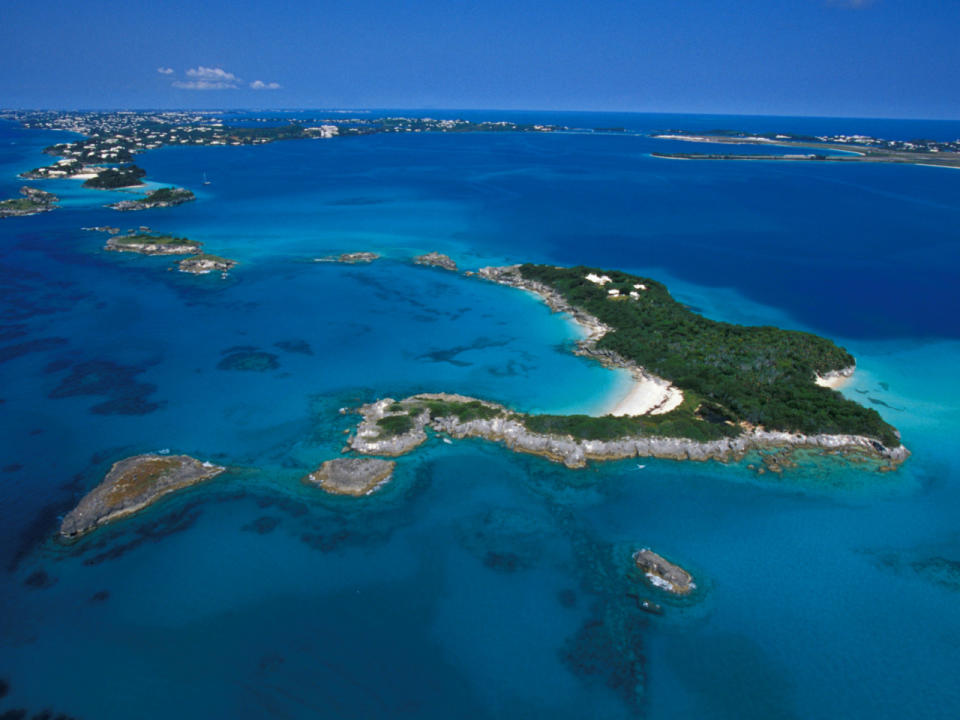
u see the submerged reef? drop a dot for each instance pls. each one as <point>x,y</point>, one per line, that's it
<point>248,359</point>
<point>352,476</point>
<point>131,485</point>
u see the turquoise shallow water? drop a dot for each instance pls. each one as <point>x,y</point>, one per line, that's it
<point>478,583</point>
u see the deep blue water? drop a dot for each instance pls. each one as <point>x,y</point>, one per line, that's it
<point>478,583</point>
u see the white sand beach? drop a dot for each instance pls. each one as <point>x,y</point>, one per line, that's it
<point>835,380</point>
<point>648,395</point>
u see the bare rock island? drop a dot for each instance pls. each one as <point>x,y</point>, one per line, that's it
<point>204,263</point>
<point>133,484</point>
<point>352,476</point>
<point>664,574</point>
<point>435,259</point>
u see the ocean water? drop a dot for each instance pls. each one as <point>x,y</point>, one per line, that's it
<point>478,583</point>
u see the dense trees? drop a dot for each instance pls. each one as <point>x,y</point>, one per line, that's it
<point>762,375</point>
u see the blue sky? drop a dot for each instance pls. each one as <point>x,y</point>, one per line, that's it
<point>884,58</point>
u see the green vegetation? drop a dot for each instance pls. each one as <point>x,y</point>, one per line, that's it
<point>683,422</point>
<point>169,195</point>
<point>464,411</point>
<point>391,425</point>
<point>151,239</point>
<point>761,375</point>
<point>21,205</point>
<point>117,178</point>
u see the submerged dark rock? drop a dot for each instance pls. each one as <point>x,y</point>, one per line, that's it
<point>39,580</point>
<point>505,562</point>
<point>262,525</point>
<point>249,361</point>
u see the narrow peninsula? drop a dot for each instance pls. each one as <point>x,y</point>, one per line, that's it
<point>131,485</point>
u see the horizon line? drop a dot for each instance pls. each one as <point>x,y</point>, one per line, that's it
<point>360,109</point>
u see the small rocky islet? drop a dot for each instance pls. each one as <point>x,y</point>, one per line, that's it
<point>160,198</point>
<point>663,574</point>
<point>146,242</point>
<point>131,485</point>
<point>436,259</point>
<point>33,202</point>
<point>352,476</point>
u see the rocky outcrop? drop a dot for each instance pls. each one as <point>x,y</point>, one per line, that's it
<point>435,259</point>
<point>131,485</point>
<point>352,476</point>
<point>664,574</point>
<point>203,264</point>
<point>505,426</point>
<point>357,257</point>
<point>371,439</point>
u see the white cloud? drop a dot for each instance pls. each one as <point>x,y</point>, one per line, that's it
<point>165,70</point>
<point>261,85</point>
<point>208,78</point>
<point>202,85</point>
<point>212,74</point>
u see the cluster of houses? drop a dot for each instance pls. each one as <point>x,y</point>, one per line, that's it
<point>614,293</point>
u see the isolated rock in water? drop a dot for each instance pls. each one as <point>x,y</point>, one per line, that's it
<point>352,476</point>
<point>436,259</point>
<point>131,485</point>
<point>205,263</point>
<point>664,574</point>
<point>358,257</point>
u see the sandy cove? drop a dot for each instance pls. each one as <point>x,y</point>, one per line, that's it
<point>648,395</point>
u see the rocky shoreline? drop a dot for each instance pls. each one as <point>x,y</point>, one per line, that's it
<point>131,485</point>
<point>499,424</point>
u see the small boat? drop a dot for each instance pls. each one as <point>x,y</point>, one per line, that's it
<point>640,467</point>
<point>205,181</point>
